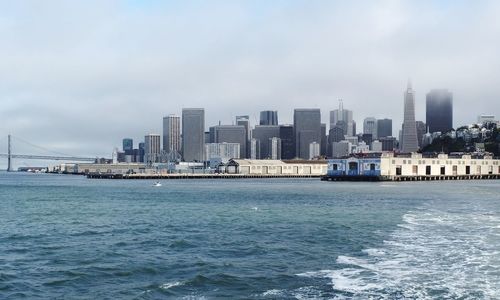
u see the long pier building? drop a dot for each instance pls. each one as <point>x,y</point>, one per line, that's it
<point>413,167</point>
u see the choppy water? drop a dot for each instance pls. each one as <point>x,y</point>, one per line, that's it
<point>72,238</point>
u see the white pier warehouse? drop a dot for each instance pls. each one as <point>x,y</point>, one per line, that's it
<point>415,166</point>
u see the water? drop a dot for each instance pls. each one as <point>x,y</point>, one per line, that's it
<point>67,237</point>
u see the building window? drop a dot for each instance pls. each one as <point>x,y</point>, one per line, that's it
<point>398,170</point>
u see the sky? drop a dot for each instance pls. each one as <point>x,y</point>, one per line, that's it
<point>78,76</point>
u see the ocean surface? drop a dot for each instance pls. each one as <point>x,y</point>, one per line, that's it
<point>67,237</point>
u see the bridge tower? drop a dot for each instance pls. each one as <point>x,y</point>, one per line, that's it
<point>9,156</point>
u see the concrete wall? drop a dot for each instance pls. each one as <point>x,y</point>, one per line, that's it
<point>419,166</point>
<point>261,168</point>
<point>416,165</point>
<point>110,168</point>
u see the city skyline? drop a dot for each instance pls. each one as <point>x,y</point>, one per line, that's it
<point>78,91</point>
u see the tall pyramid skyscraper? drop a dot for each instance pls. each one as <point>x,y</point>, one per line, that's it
<point>409,142</point>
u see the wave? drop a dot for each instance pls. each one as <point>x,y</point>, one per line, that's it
<point>170,285</point>
<point>432,254</point>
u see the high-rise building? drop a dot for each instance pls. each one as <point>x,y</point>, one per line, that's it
<point>263,133</point>
<point>274,148</point>
<point>336,134</point>
<point>340,149</point>
<point>409,142</point>
<point>324,141</point>
<point>128,150</point>
<point>314,149</point>
<point>128,145</point>
<point>345,116</point>
<point>224,151</point>
<point>307,129</point>
<point>376,146</point>
<point>439,111</point>
<point>254,148</point>
<point>193,134</point>
<point>245,121</point>
<point>269,117</point>
<point>388,143</point>
<point>139,152</point>
<point>367,138</point>
<point>231,134</point>
<point>384,128</point>
<point>370,127</point>
<point>152,148</point>
<point>287,144</point>
<point>421,130</point>
<point>172,134</point>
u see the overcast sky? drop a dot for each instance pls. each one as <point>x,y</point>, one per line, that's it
<point>78,76</point>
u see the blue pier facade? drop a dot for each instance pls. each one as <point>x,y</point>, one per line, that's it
<point>354,167</point>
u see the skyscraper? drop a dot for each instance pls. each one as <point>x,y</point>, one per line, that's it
<point>343,117</point>
<point>224,151</point>
<point>307,129</point>
<point>409,142</point>
<point>287,145</point>
<point>388,143</point>
<point>264,133</point>
<point>193,133</point>
<point>274,148</point>
<point>245,121</point>
<point>231,134</point>
<point>324,141</point>
<point>128,145</point>
<point>139,155</point>
<point>370,127</point>
<point>336,134</point>
<point>269,117</point>
<point>439,111</point>
<point>384,128</point>
<point>172,134</point>
<point>421,130</point>
<point>152,148</point>
<point>254,148</point>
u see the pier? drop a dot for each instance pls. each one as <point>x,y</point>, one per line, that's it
<point>195,176</point>
<point>410,178</point>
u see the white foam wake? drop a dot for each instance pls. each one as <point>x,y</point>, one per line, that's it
<point>433,254</point>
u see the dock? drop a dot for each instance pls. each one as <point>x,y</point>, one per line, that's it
<point>411,178</point>
<point>196,176</point>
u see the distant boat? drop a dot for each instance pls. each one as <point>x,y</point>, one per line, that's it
<point>157,183</point>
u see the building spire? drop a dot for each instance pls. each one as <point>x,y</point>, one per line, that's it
<point>341,105</point>
<point>409,84</point>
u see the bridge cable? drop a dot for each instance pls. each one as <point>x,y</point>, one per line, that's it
<point>39,147</point>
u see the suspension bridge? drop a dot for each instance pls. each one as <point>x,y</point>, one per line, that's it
<point>53,156</point>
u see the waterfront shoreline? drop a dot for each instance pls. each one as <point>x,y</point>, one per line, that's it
<point>200,176</point>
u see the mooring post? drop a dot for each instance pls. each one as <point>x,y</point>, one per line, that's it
<point>9,156</point>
